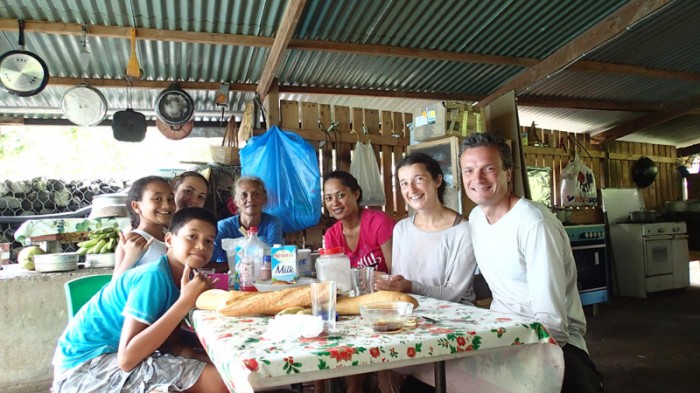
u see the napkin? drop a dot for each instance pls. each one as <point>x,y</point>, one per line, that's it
<point>293,326</point>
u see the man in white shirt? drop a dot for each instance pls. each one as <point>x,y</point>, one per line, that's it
<point>524,254</point>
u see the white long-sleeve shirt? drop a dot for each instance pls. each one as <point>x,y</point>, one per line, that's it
<point>527,261</point>
<point>440,264</point>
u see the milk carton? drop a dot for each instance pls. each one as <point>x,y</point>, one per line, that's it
<point>284,263</point>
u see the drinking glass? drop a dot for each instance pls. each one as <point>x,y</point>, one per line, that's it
<point>323,303</point>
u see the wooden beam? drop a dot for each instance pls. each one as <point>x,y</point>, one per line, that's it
<point>147,84</point>
<point>284,33</point>
<point>378,93</point>
<point>7,120</point>
<point>646,121</point>
<point>553,102</point>
<point>598,35</point>
<point>141,33</point>
<point>327,46</point>
<point>688,150</point>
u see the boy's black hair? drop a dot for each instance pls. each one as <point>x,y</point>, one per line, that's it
<point>183,216</point>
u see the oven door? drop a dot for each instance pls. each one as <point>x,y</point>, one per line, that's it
<point>590,266</point>
<point>658,252</point>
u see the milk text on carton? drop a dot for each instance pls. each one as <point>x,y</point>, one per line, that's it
<point>284,264</point>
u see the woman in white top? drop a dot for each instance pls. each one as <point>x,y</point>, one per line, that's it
<point>432,251</point>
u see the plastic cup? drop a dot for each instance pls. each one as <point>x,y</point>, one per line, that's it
<point>362,281</point>
<point>323,303</point>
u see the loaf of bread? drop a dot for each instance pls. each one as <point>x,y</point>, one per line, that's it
<point>267,303</point>
<point>351,305</point>
<point>236,303</point>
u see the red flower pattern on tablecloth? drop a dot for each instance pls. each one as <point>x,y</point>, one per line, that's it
<point>461,341</point>
<point>342,353</point>
<point>251,364</point>
<point>440,331</point>
<point>374,352</point>
<point>411,352</point>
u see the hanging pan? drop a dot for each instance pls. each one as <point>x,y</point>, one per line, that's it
<point>129,125</point>
<point>644,172</point>
<point>84,105</point>
<point>175,132</point>
<point>23,73</point>
<point>174,106</point>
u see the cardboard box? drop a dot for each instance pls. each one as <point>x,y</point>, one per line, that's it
<point>451,118</point>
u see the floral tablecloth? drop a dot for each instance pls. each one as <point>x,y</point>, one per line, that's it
<point>35,228</point>
<point>246,360</point>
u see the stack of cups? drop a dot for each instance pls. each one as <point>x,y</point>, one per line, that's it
<point>323,296</point>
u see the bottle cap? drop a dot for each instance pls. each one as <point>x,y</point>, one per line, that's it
<point>253,229</point>
<point>331,251</point>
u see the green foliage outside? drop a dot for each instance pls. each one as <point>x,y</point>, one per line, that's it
<point>93,153</point>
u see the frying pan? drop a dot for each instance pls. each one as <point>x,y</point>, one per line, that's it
<point>644,172</point>
<point>174,132</point>
<point>84,105</point>
<point>23,73</point>
<point>174,106</point>
<point>129,125</point>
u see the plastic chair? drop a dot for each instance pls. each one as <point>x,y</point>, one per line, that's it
<point>81,289</point>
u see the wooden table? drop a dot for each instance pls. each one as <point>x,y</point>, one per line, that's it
<point>517,351</point>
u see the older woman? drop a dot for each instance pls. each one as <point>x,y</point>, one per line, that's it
<point>432,253</point>
<point>364,234</point>
<point>250,196</point>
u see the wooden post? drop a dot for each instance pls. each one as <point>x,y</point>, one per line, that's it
<point>272,105</point>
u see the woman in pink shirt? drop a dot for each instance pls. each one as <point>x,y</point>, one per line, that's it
<point>364,234</point>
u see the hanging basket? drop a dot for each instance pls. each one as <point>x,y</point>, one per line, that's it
<point>227,153</point>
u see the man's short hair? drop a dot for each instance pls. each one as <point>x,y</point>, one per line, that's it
<point>489,139</point>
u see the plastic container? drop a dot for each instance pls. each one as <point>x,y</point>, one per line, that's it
<point>334,265</point>
<point>258,252</point>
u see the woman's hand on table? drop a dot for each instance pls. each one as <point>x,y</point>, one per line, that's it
<point>392,283</point>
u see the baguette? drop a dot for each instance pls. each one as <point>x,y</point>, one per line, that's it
<point>268,303</point>
<point>351,305</point>
<point>211,299</point>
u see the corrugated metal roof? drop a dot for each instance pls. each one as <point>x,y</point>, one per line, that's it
<point>515,28</point>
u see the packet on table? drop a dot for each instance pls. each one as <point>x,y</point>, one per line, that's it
<point>284,264</point>
<point>233,248</point>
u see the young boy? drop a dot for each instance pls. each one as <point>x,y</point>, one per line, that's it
<point>121,339</point>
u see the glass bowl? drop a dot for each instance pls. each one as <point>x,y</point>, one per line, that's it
<point>386,317</point>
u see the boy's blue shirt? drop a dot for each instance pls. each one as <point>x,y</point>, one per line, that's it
<point>144,293</point>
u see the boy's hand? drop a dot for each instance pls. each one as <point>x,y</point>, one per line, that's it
<point>190,289</point>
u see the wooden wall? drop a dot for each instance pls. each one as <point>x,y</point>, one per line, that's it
<point>611,164</point>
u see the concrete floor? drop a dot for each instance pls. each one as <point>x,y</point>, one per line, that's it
<point>649,345</point>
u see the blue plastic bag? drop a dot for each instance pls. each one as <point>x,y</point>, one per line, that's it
<point>289,167</point>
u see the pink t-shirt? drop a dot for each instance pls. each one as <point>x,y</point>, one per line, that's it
<point>376,229</point>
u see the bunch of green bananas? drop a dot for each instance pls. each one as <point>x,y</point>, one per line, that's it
<point>101,241</point>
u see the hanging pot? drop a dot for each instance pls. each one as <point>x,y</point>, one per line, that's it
<point>175,132</point>
<point>84,105</point>
<point>23,73</point>
<point>644,172</point>
<point>174,106</point>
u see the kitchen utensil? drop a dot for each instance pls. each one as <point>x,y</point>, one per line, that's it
<point>129,125</point>
<point>84,105</point>
<point>58,262</point>
<point>175,132</point>
<point>386,317</point>
<point>677,206</point>
<point>23,73</point>
<point>133,69</point>
<point>644,172</point>
<point>174,106</point>
<point>642,216</point>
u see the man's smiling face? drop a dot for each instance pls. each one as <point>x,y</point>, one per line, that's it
<point>485,180</point>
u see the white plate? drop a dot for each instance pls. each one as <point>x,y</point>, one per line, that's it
<point>267,285</point>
